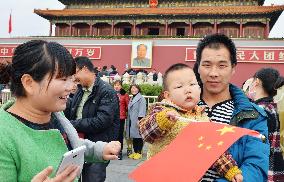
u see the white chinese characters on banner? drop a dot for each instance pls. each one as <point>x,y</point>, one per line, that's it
<point>249,54</point>
<point>7,51</point>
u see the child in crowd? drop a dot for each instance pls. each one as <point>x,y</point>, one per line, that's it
<point>162,124</point>
<point>123,108</point>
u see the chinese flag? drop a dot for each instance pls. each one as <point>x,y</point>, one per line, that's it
<point>189,156</point>
<point>10,24</point>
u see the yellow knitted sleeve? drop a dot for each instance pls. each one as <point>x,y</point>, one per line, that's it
<point>163,122</point>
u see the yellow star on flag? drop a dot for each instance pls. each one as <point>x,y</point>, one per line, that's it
<point>220,143</point>
<point>226,130</point>
<point>200,138</point>
<point>200,145</point>
<point>208,147</point>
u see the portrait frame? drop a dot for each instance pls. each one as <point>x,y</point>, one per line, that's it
<point>145,62</point>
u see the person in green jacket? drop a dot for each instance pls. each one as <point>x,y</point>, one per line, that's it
<point>34,134</point>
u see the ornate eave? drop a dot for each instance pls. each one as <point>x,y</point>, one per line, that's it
<point>217,10</point>
<point>68,2</point>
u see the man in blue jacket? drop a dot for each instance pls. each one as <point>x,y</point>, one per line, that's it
<point>215,65</point>
<point>94,112</point>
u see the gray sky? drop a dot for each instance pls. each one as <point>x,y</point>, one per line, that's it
<point>27,23</point>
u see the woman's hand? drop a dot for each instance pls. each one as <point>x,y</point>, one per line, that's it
<point>111,150</point>
<point>68,175</point>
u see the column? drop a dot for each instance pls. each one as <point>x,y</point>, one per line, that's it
<point>50,28</point>
<point>215,26</point>
<point>95,31</point>
<point>166,28</point>
<point>112,28</point>
<point>190,29</point>
<point>267,29</point>
<point>56,31</point>
<point>241,28</point>
<point>91,29</point>
<point>134,28</point>
<point>70,29</point>
<point>114,31</point>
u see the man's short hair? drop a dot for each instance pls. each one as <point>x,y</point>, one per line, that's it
<point>216,41</point>
<point>83,61</point>
<point>142,45</point>
<point>174,67</point>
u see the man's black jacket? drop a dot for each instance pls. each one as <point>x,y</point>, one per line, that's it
<point>100,116</point>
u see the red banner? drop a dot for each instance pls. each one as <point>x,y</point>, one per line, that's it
<point>249,54</point>
<point>90,52</point>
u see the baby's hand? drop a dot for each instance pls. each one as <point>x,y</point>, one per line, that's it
<point>238,178</point>
<point>172,115</point>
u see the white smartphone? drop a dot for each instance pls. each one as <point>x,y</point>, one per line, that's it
<point>73,157</point>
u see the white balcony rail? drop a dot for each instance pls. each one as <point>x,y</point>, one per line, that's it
<point>149,99</point>
<point>6,95</point>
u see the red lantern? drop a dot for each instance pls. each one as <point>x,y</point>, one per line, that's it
<point>153,3</point>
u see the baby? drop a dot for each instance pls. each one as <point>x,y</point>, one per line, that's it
<point>163,123</point>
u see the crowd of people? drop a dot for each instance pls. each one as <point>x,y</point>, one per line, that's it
<point>46,81</point>
<point>112,71</point>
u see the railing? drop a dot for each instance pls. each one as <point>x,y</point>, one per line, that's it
<point>150,99</point>
<point>6,95</point>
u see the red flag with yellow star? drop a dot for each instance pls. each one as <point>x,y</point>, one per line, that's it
<point>191,154</point>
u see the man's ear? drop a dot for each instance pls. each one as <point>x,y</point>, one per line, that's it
<point>28,84</point>
<point>233,70</point>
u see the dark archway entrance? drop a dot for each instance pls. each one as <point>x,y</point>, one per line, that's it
<point>180,31</point>
<point>127,31</point>
<point>153,31</point>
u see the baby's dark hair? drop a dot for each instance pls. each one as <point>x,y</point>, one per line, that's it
<point>174,67</point>
<point>271,80</point>
<point>36,58</point>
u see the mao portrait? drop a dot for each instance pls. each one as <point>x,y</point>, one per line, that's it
<point>141,55</point>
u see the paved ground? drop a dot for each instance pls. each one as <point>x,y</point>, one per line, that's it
<point>118,170</point>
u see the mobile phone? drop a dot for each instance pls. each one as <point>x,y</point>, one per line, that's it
<point>73,157</point>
